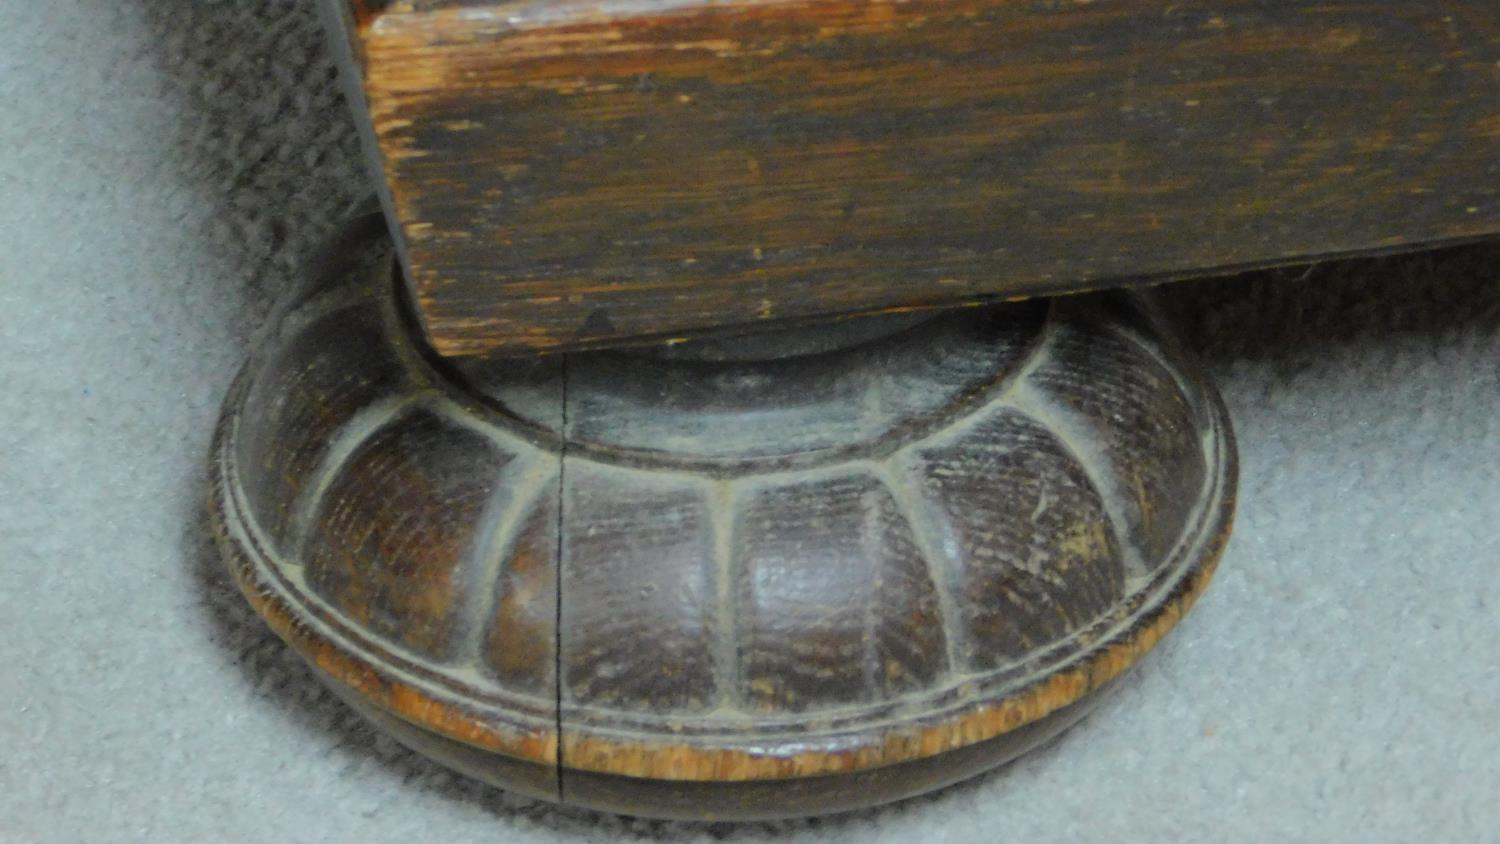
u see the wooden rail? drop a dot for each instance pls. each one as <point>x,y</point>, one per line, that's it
<point>570,174</point>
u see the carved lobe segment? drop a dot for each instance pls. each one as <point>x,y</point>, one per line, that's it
<point>835,603</point>
<point>398,524</point>
<point>521,633</point>
<point>334,368</point>
<point>1140,425</point>
<point>1027,537</point>
<point>639,592</point>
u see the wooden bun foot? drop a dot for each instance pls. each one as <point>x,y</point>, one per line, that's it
<point>779,575</point>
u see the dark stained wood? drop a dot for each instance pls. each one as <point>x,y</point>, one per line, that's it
<point>866,546</point>
<point>357,512</point>
<point>801,573</point>
<point>772,798</point>
<point>570,173</point>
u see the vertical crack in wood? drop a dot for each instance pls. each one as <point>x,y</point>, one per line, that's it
<point>559,564</point>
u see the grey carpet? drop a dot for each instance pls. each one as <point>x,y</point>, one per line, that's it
<point>163,165</point>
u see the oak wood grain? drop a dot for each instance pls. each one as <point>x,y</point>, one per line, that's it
<point>573,174</point>
<point>687,582</point>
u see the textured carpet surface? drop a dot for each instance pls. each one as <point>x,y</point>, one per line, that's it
<point>163,166</point>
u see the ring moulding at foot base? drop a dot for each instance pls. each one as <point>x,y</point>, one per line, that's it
<point>740,578</point>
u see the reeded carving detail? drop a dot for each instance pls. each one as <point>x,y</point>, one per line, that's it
<point>813,552</point>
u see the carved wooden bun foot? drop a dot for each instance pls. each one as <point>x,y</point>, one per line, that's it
<point>779,575</point>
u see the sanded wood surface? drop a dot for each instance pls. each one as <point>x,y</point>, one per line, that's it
<point>576,173</point>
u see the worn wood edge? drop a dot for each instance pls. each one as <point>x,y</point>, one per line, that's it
<point>331,661</point>
<point>498,31</point>
<point>362,13</point>
<point>974,723</point>
<point>604,754</point>
<point>457,345</point>
<point>463,23</point>
<point>980,723</point>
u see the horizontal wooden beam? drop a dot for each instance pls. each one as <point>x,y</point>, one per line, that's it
<point>570,174</point>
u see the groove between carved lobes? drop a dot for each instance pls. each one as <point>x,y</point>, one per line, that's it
<point>694,603</point>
